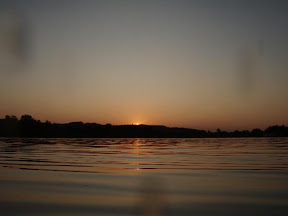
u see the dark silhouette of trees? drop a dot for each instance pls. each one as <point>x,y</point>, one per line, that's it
<point>257,132</point>
<point>9,126</point>
<point>26,118</point>
<point>27,126</point>
<point>277,131</point>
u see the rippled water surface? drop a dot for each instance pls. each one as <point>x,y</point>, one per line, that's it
<point>144,176</point>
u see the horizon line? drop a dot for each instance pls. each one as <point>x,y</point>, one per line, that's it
<point>139,124</point>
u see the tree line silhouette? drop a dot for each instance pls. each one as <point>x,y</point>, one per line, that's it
<point>27,126</point>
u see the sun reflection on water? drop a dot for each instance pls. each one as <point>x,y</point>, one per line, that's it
<point>136,151</point>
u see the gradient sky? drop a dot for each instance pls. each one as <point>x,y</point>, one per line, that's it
<point>199,64</point>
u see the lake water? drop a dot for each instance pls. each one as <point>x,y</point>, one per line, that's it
<point>144,176</point>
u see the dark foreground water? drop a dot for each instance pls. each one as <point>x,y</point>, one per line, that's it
<point>144,176</point>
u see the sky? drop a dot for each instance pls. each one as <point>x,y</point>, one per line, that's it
<point>197,64</point>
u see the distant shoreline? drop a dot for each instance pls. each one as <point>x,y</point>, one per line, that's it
<point>28,127</point>
<point>29,138</point>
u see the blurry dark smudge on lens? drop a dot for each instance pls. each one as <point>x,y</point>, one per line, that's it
<point>13,41</point>
<point>152,196</point>
<point>249,67</point>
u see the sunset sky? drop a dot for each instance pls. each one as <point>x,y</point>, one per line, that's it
<point>198,64</point>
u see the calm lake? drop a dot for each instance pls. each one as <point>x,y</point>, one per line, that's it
<point>237,176</point>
